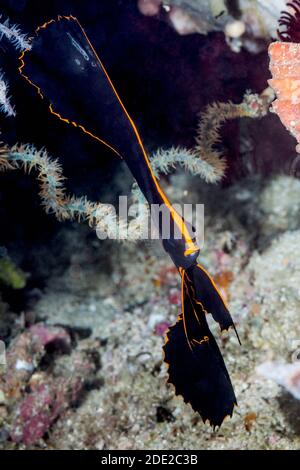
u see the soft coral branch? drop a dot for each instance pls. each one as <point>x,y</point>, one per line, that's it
<point>163,161</point>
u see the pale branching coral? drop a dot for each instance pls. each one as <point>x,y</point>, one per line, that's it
<point>21,42</point>
<point>14,35</point>
<point>5,104</point>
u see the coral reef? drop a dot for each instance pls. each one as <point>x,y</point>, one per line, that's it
<point>133,407</point>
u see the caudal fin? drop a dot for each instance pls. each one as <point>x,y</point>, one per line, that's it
<point>195,364</point>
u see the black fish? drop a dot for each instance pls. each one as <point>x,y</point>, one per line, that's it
<point>66,70</point>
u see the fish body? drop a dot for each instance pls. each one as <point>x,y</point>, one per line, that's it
<point>67,71</point>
